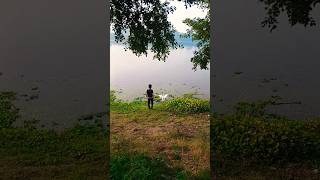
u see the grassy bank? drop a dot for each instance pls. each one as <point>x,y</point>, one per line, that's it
<point>30,153</point>
<point>253,144</point>
<point>174,141</point>
<point>162,143</point>
<point>145,145</point>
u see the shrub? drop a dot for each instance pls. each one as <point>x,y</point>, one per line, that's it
<point>246,135</point>
<point>186,105</point>
<point>113,96</point>
<point>8,112</point>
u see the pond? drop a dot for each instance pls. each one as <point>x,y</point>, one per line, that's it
<point>131,74</point>
<point>54,60</point>
<point>250,63</point>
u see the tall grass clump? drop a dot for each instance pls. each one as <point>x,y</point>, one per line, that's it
<point>186,105</point>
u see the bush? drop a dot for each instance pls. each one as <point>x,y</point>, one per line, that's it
<point>8,112</point>
<point>246,135</point>
<point>186,105</point>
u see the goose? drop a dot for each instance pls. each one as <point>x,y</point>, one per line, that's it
<point>163,96</point>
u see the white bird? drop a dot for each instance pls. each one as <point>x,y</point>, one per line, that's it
<point>163,96</point>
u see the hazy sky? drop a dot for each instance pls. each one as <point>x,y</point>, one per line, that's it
<point>182,13</point>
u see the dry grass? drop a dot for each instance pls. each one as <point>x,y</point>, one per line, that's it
<point>182,140</point>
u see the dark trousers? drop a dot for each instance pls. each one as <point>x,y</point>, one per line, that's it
<point>150,101</point>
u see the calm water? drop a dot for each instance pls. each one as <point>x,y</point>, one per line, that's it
<point>131,74</point>
<point>284,63</point>
<point>55,58</point>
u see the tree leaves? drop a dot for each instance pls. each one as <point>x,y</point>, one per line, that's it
<point>298,12</point>
<point>200,32</point>
<point>143,25</point>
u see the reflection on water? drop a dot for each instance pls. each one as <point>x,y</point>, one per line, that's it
<point>132,74</point>
<point>251,63</point>
<point>56,101</point>
<point>54,60</point>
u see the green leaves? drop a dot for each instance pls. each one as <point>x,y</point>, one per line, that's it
<point>186,105</point>
<point>254,136</point>
<point>143,25</point>
<point>298,12</point>
<point>200,31</point>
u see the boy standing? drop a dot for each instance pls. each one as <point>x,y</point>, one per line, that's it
<point>150,97</point>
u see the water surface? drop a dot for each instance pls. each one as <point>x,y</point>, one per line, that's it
<point>250,63</point>
<point>53,54</point>
<point>131,74</point>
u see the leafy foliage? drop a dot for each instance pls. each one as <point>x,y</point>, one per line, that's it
<point>298,12</point>
<point>254,137</point>
<point>143,25</point>
<point>200,32</point>
<point>186,105</point>
<point>147,25</point>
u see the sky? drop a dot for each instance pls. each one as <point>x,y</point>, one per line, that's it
<point>182,13</point>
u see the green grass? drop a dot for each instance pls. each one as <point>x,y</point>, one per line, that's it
<point>139,166</point>
<point>80,152</point>
<point>157,143</point>
<point>187,104</point>
<point>251,138</point>
<point>81,146</point>
<point>142,167</point>
<point>117,105</point>
<point>29,153</point>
